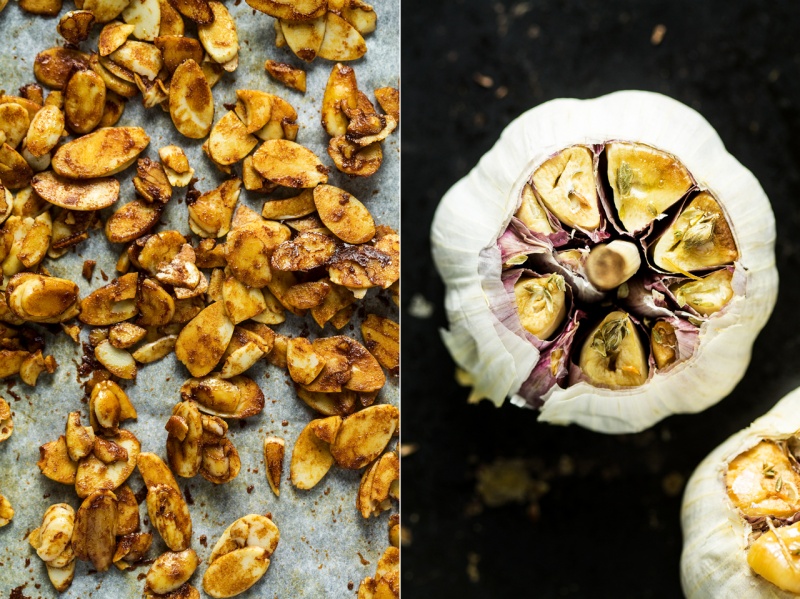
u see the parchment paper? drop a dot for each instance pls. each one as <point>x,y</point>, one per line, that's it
<point>322,534</point>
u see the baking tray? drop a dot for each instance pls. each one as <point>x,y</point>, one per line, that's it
<point>325,543</point>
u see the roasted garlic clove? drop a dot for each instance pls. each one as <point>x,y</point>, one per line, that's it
<point>775,556</point>
<point>707,295</point>
<point>699,238</point>
<point>664,344</point>
<point>613,355</point>
<point>762,482</point>
<point>541,304</point>
<point>645,182</point>
<point>532,214</point>
<point>566,185</point>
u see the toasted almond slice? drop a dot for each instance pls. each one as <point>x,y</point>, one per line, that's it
<point>343,214</point>
<point>36,241</point>
<point>360,15</point>
<point>53,67</point>
<point>29,105</point>
<point>173,157</point>
<point>132,548</point>
<point>171,21</point>
<point>76,195</point>
<point>175,49</point>
<point>326,428</point>
<point>145,16</point>
<point>118,71</point>
<point>342,41</point>
<point>84,101</point>
<point>178,180</point>
<point>32,92</point>
<point>198,11</point>
<point>254,108</point>
<point>203,340</point>
<point>389,100</point>
<point>6,421</point>
<point>289,164</point>
<point>294,207</point>
<point>132,220</point>
<point>125,334</point>
<point>113,36</point>
<point>311,459</point>
<point>184,453</point>
<point>349,364</point>
<point>212,71</point>
<point>156,306</point>
<point>108,452</point>
<point>113,109</point>
<point>229,141</point>
<point>171,569</point>
<point>221,462</point>
<point>237,397</point>
<point>241,302</point>
<point>335,300</point>
<point>94,474</point>
<point>14,123</point>
<point>235,572</point>
<point>364,497</point>
<point>210,214</point>
<point>139,58</point>
<point>54,462</point>
<point>95,528</point>
<point>52,539</point>
<point>11,362</point>
<point>274,448</point>
<point>155,350</point>
<point>387,471</point>
<point>44,131</point>
<point>15,172</point>
<point>382,339</point>
<point>306,296</point>
<point>329,404</point>
<point>381,264</point>
<point>366,129</point>
<point>307,251</point>
<point>75,26</point>
<point>355,161</point>
<point>247,254</point>
<point>155,472</point>
<point>219,37</point>
<point>287,74</point>
<point>111,303</point>
<point>42,299</point>
<point>25,203</point>
<point>341,90</point>
<point>170,515</point>
<point>274,313</point>
<point>100,154</point>
<point>48,8</point>
<point>364,435</point>
<point>191,104</point>
<point>293,10</point>
<point>105,10</point>
<point>151,181</point>
<point>114,83</point>
<point>303,362</point>
<point>304,37</point>
<point>127,511</point>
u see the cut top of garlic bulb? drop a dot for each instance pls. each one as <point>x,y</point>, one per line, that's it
<point>660,237</point>
<point>741,513</point>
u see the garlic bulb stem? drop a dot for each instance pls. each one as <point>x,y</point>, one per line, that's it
<point>609,265</point>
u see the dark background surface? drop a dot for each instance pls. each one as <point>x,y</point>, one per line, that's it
<point>601,518</point>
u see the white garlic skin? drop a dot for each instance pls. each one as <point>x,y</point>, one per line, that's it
<point>714,559</point>
<point>478,208</point>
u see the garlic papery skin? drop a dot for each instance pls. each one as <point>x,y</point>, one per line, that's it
<point>479,208</point>
<point>716,535</point>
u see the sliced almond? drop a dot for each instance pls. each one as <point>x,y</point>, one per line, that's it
<point>240,359</point>
<point>311,459</point>
<point>304,37</point>
<point>229,141</point>
<point>282,122</point>
<point>220,462</point>
<point>113,36</point>
<point>94,474</point>
<point>307,251</point>
<point>76,195</point>
<point>382,339</point>
<point>95,527</point>
<point>306,296</point>
<point>360,15</point>
<point>364,435</point>
<point>340,91</point>
<point>343,214</point>
<point>132,220</point>
<point>125,334</point>
<point>274,448</point>
<point>219,37</point>
<point>203,340</point>
<point>198,11</point>
<point>294,207</point>
<point>241,302</point>
<point>184,448</point>
<point>6,421</point>
<point>151,181</point>
<point>254,108</point>
<point>170,570</point>
<point>237,397</point>
<point>53,67</point>
<point>210,215</point>
<point>235,572</point>
<point>171,21</point>
<point>303,362</point>
<point>114,107</point>
<point>131,548</point>
<point>111,303</point>
<point>145,16</point>
<point>54,462</point>
<point>105,10</point>
<point>354,160</point>
<point>127,511</point>
<point>45,130</point>
<point>42,299</point>
<point>155,350</point>
<point>295,10</point>
<point>14,123</point>
<point>174,158</point>
<point>289,164</point>
<point>377,266</point>
<point>84,101</point>
<point>158,250</point>
<point>287,74</point>
<point>75,26</point>
<point>80,439</point>
<point>191,104</point>
<point>330,404</point>
<point>342,41</point>
<point>335,300</point>
<point>140,58</point>
<point>36,241</point>
<point>177,48</point>
<point>389,100</point>
<point>15,172</point>
<point>119,85</point>
<point>100,154</point>
<point>170,515</point>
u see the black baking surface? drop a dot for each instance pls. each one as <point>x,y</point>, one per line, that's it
<point>606,521</point>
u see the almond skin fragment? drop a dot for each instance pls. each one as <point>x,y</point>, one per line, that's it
<point>100,154</point>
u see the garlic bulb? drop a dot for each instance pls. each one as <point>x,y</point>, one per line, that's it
<point>741,512</point>
<point>633,201</point>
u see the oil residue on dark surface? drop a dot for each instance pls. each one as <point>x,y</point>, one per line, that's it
<point>496,504</point>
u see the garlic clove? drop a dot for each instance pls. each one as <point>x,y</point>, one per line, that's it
<point>645,182</point>
<point>532,214</point>
<point>775,556</point>
<point>613,355</point>
<point>541,304</point>
<point>762,482</point>
<point>699,238</point>
<point>707,295</point>
<point>566,185</point>
<point>664,344</point>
